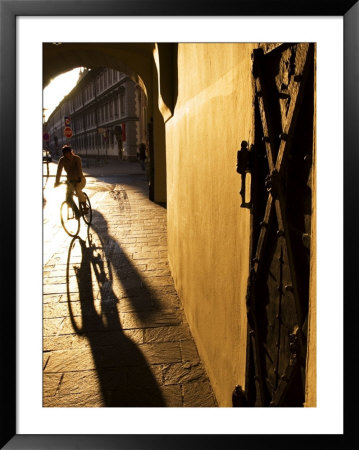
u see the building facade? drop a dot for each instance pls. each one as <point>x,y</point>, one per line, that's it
<point>106,112</point>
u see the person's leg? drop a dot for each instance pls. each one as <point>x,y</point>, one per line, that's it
<point>79,187</point>
<point>80,194</point>
<point>69,198</point>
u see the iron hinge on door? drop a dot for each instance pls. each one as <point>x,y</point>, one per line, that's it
<point>244,166</point>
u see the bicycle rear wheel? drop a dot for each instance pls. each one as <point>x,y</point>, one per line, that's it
<point>68,219</point>
<point>88,216</point>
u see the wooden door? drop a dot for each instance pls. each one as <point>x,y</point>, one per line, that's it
<point>280,162</point>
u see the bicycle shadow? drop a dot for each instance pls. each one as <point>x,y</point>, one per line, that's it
<point>124,375</point>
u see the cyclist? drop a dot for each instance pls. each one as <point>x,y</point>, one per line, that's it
<point>75,178</point>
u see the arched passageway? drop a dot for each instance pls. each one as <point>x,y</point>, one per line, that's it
<point>141,62</point>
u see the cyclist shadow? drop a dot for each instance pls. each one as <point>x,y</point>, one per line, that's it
<point>123,373</point>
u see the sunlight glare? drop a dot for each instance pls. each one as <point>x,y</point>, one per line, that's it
<point>58,88</point>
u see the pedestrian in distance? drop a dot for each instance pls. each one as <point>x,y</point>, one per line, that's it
<point>142,155</point>
<point>76,180</point>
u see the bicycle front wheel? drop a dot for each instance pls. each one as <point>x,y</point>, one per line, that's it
<point>69,221</point>
<point>88,216</point>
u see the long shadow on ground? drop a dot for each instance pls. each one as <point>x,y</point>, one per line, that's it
<point>94,267</point>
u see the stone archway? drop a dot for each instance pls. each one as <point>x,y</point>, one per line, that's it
<point>141,62</point>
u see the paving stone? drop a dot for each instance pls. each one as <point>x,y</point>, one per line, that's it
<point>51,343</point>
<point>77,297</point>
<point>135,304</point>
<point>49,298</point>
<point>70,360</point>
<point>51,327</point>
<point>144,376</point>
<point>82,399</point>
<point>161,353</point>
<point>150,319</point>
<point>172,396</point>
<point>60,279</point>
<point>45,359</point>
<point>125,340</point>
<point>52,310</point>
<point>151,264</point>
<point>198,394</point>
<point>166,334</point>
<point>50,384</point>
<point>89,381</point>
<point>183,373</point>
<point>146,255</point>
<point>161,291</point>
<point>98,339</point>
<point>189,351</point>
<point>59,288</point>
<point>157,272</point>
<point>90,323</point>
<point>154,280</point>
<point>136,397</point>
<point>168,301</point>
<point>51,273</point>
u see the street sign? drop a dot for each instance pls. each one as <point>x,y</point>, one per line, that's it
<point>67,121</point>
<point>68,132</point>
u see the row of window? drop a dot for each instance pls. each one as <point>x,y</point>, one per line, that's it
<point>93,141</point>
<point>106,79</point>
<point>110,110</point>
<point>103,81</point>
<point>107,112</point>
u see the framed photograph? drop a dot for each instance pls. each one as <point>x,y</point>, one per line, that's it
<point>330,28</point>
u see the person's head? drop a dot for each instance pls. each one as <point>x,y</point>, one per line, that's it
<point>67,151</point>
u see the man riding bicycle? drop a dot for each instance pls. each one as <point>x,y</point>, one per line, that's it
<point>75,178</point>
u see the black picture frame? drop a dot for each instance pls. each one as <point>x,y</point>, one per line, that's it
<point>9,10</point>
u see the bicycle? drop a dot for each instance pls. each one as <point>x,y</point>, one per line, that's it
<point>69,221</point>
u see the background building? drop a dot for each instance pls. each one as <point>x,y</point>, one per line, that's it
<point>106,112</point>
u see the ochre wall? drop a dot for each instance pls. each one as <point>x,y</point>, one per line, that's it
<point>208,231</point>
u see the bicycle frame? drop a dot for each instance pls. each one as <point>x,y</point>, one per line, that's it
<point>74,212</point>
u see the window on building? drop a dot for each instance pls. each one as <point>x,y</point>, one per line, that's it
<point>122,100</point>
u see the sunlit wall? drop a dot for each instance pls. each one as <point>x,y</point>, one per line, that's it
<point>208,231</point>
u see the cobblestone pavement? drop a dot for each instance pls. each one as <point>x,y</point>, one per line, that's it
<point>114,331</point>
